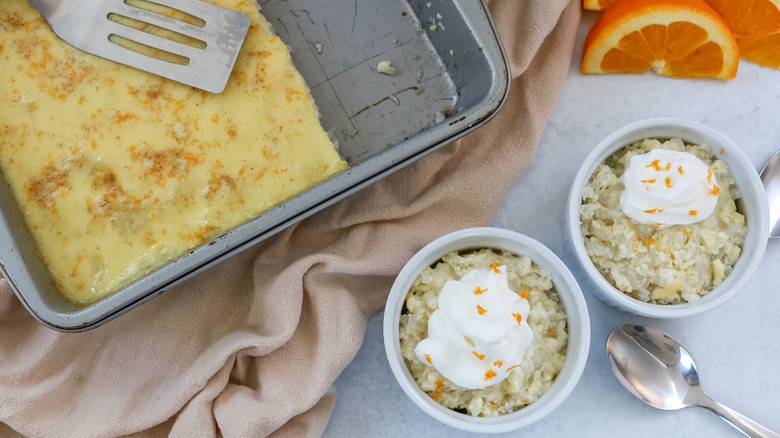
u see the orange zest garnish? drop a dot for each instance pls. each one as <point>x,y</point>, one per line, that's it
<point>654,210</point>
<point>523,293</point>
<point>715,189</point>
<point>512,367</point>
<point>648,181</point>
<point>495,268</point>
<point>481,310</point>
<point>551,331</point>
<point>498,363</point>
<point>479,291</point>
<point>679,38</point>
<point>518,317</point>
<point>436,393</point>
<point>668,182</point>
<point>680,169</point>
<point>479,356</point>
<point>428,358</point>
<point>693,212</point>
<point>490,374</point>
<point>655,165</point>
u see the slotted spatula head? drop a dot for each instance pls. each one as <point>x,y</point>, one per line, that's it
<point>189,41</point>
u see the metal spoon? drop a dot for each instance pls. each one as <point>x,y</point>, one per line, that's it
<point>770,176</point>
<point>660,372</point>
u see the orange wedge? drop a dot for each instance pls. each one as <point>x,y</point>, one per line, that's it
<point>679,38</point>
<point>756,26</point>
<point>597,5</point>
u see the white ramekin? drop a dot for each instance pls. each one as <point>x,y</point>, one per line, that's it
<point>753,205</point>
<point>568,291</point>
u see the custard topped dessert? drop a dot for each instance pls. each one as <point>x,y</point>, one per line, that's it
<point>118,171</point>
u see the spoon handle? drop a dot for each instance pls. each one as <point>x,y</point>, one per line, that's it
<point>739,421</point>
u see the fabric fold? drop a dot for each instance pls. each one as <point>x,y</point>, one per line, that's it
<point>252,346</point>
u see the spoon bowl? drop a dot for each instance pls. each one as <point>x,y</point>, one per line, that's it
<point>770,177</point>
<point>660,372</point>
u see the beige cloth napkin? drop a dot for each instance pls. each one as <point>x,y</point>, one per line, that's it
<point>252,347</point>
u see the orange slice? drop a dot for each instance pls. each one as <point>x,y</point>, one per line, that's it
<point>756,26</point>
<point>597,5</point>
<point>679,38</point>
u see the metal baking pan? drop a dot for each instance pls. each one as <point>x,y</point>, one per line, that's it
<point>452,77</point>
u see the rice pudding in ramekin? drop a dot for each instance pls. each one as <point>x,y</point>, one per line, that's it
<point>555,315</point>
<point>678,265</point>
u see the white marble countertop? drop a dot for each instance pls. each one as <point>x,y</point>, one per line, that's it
<point>735,346</point>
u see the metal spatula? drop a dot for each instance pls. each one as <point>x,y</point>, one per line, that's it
<point>195,43</point>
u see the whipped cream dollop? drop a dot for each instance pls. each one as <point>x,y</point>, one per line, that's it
<point>665,188</point>
<point>479,332</point>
